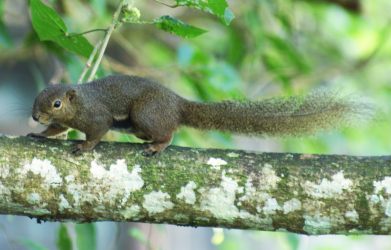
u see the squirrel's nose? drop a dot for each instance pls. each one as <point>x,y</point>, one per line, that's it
<point>35,118</point>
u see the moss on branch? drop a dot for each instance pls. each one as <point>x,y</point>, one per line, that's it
<point>309,194</point>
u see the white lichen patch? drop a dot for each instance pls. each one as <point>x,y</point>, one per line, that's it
<point>387,208</point>
<point>252,220</point>
<point>317,224</point>
<point>69,178</point>
<point>216,162</point>
<point>271,206</point>
<point>79,194</point>
<point>12,136</point>
<point>118,181</point>
<point>328,188</point>
<point>385,185</point>
<point>45,170</point>
<point>130,212</point>
<point>39,212</point>
<point>291,205</point>
<point>374,199</point>
<point>352,215</point>
<point>157,202</point>
<point>381,195</point>
<point>268,179</point>
<point>33,198</point>
<point>64,204</point>
<point>220,201</point>
<point>187,193</point>
<point>233,155</point>
<point>5,193</point>
<point>4,172</point>
<point>249,191</point>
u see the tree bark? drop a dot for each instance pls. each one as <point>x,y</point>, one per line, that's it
<point>309,194</point>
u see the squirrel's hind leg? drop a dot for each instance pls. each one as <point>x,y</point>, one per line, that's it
<point>157,145</point>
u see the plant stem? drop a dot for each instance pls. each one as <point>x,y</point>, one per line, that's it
<point>89,62</point>
<point>86,32</point>
<point>106,40</point>
<point>166,4</point>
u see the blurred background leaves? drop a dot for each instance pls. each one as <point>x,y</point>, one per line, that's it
<point>271,48</point>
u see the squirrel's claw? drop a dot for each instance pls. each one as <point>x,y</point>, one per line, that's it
<point>77,150</point>
<point>35,135</point>
<point>149,151</point>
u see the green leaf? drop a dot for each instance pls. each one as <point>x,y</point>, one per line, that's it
<point>1,9</point>
<point>177,27</point>
<point>138,235</point>
<point>5,38</point>
<point>293,240</point>
<point>50,27</point>
<point>291,55</point>
<point>215,7</point>
<point>86,236</point>
<point>46,22</point>
<point>64,242</point>
<point>78,44</point>
<point>31,245</point>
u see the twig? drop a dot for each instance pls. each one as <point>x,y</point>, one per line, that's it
<point>86,32</point>
<point>106,40</point>
<point>166,4</point>
<point>89,62</point>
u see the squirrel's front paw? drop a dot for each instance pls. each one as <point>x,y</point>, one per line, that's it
<point>77,150</point>
<point>149,150</point>
<point>35,135</point>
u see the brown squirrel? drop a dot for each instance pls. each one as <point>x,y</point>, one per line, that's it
<point>152,112</point>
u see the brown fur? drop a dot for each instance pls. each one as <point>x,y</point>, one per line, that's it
<point>153,112</point>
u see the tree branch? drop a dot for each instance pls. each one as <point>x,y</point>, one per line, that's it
<point>89,62</point>
<point>309,194</point>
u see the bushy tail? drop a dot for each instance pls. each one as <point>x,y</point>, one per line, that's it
<point>299,115</point>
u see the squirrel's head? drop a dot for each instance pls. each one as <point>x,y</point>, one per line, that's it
<point>54,104</point>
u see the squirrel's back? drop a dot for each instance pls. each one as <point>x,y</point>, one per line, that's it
<point>121,93</point>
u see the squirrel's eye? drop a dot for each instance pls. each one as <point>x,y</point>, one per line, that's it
<point>57,104</point>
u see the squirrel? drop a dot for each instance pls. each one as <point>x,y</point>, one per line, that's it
<point>152,112</point>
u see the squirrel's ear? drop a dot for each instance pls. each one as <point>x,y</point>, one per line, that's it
<point>71,94</point>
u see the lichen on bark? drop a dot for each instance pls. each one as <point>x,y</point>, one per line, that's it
<point>310,194</point>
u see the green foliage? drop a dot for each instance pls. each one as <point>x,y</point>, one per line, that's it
<point>86,236</point>
<point>215,7</point>
<point>64,242</point>
<point>5,39</point>
<point>99,6</point>
<point>293,241</point>
<point>50,27</point>
<point>32,245</point>
<point>284,58</point>
<point>177,27</point>
<point>219,79</point>
<point>138,235</point>
<point>130,14</point>
<point>277,47</point>
<point>1,9</point>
